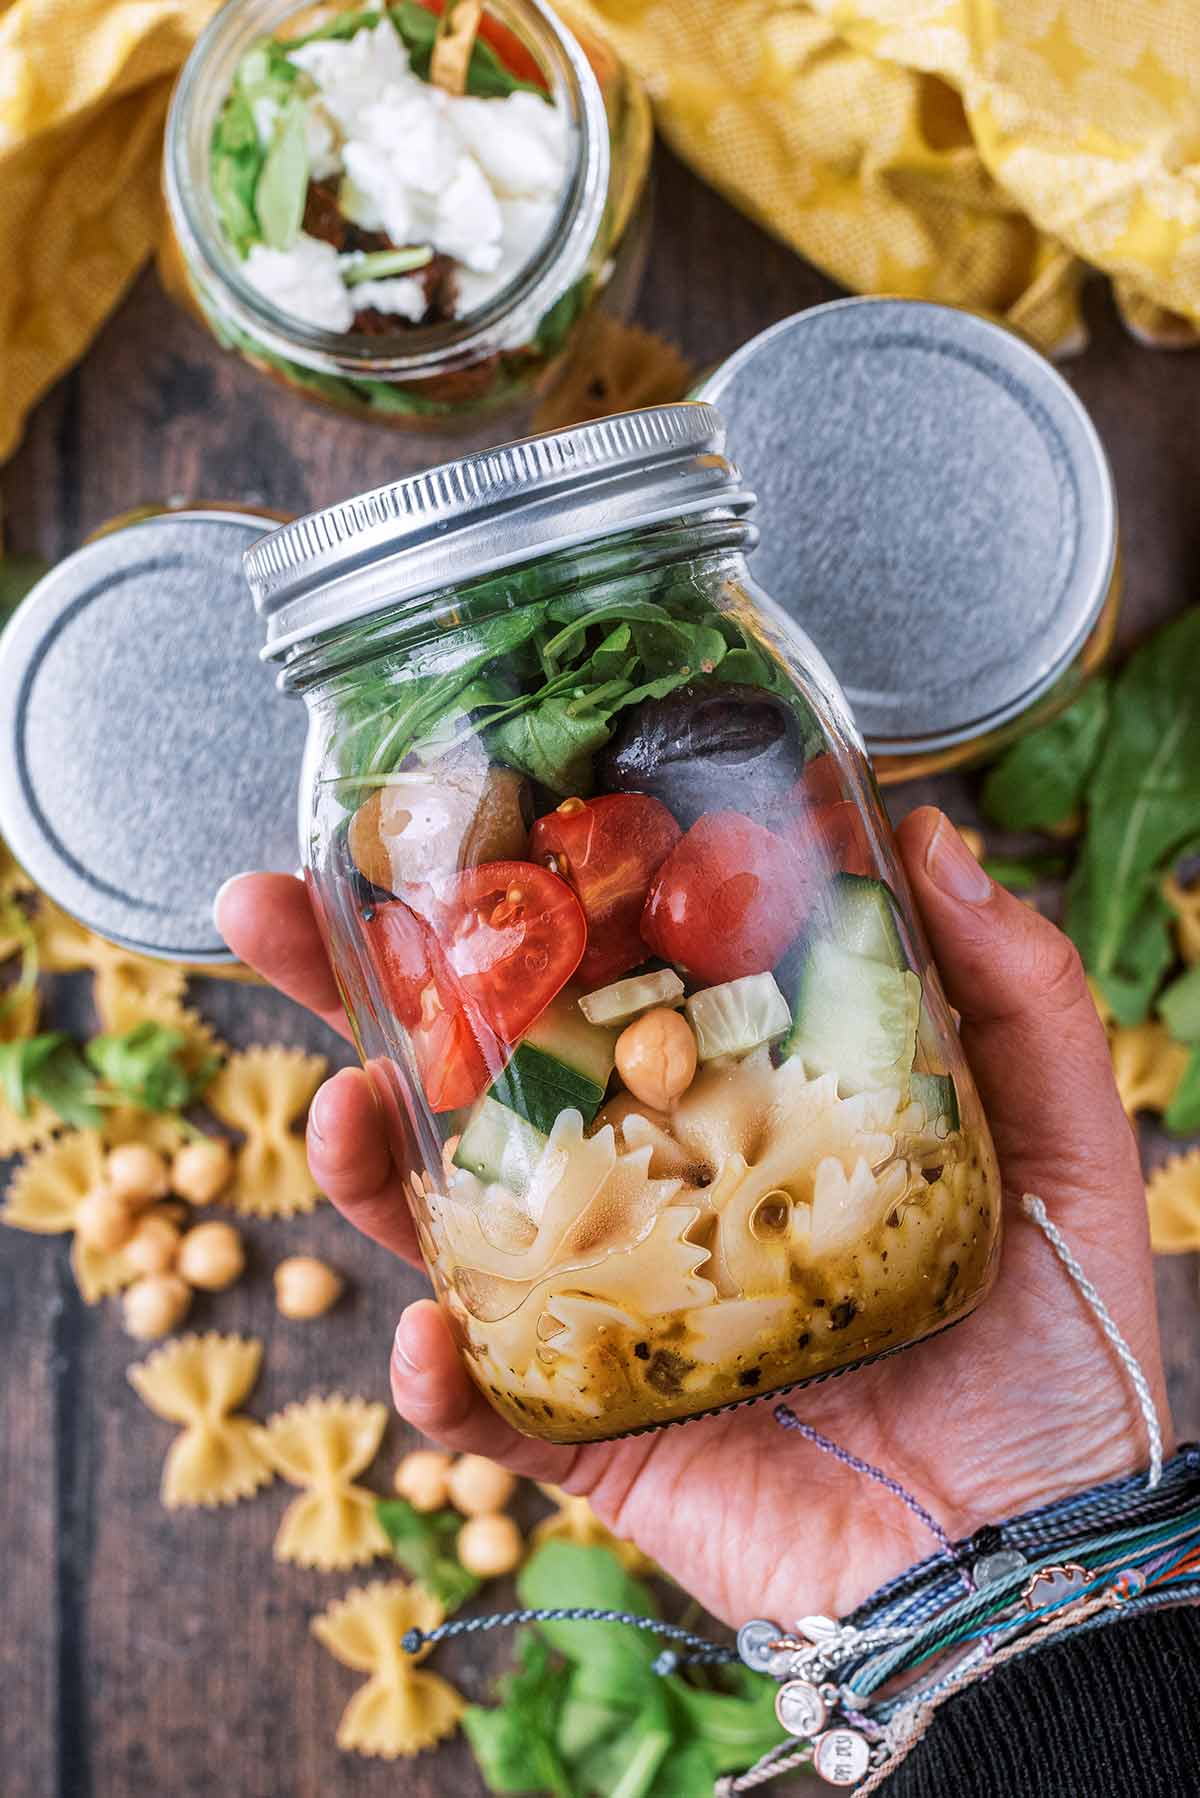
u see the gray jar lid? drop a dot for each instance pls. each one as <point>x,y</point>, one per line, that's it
<point>935,509</point>
<point>145,754</point>
<point>495,509</point>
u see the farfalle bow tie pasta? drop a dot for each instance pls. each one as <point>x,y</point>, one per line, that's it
<point>322,1445</point>
<point>198,1382</point>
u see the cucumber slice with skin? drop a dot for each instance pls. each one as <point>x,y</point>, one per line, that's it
<point>580,1043</point>
<point>737,1016</point>
<point>856,1018</point>
<point>538,1086</point>
<point>938,1094</point>
<point>627,999</point>
<point>497,1145</point>
<point>864,920</point>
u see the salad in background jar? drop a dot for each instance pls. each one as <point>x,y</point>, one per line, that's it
<point>618,921</point>
<point>407,212</point>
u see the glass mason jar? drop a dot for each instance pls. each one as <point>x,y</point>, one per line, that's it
<point>495,359</point>
<point>623,935</point>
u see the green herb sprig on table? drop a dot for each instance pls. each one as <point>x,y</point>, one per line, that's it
<point>1126,754</point>
<point>423,1543</point>
<point>141,1067</point>
<point>584,1715</point>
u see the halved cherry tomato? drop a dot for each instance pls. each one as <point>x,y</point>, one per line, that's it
<point>820,820</point>
<point>728,900</point>
<point>608,851</point>
<point>453,1049</point>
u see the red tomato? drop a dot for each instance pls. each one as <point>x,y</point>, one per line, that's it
<point>728,900</point>
<point>821,820</point>
<point>608,850</point>
<point>451,1046</point>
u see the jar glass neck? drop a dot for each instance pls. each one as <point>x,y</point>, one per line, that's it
<point>686,557</point>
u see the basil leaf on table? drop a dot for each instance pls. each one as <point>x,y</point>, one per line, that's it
<point>1143,807</point>
<point>1040,782</point>
<point>144,1066</point>
<point>423,1543</point>
<point>1182,1116</point>
<point>49,1067</point>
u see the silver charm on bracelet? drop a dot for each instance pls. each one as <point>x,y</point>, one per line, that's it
<point>801,1709</point>
<point>841,1756</point>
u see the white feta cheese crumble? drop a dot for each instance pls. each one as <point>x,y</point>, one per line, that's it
<point>519,142</point>
<point>305,281</point>
<point>469,223</point>
<point>399,294</point>
<point>351,74</point>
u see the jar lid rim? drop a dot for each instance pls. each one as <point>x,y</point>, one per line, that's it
<point>489,510</point>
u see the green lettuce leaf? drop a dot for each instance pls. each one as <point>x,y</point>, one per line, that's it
<point>1040,782</point>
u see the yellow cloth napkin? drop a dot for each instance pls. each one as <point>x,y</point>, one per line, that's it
<point>982,152</point>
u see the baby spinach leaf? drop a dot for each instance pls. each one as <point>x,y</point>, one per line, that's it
<point>1182,1116</point>
<point>1022,873</point>
<point>1143,803</point>
<point>515,1741</point>
<point>1179,1007</point>
<point>282,185</point>
<point>423,1543</point>
<point>1041,780</point>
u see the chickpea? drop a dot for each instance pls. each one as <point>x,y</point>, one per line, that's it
<point>421,1479</point>
<point>202,1170</point>
<point>103,1221</point>
<point>154,1245</point>
<point>155,1305</point>
<point>656,1057</point>
<point>212,1257</point>
<point>489,1545</point>
<point>137,1174</point>
<point>305,1287</point>
<point>477,1485</point>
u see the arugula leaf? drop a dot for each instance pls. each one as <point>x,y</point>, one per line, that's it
<point>49,1067</point>
<point>423,1543</point>
<point>1143,803</point>
<point>18,574</point>
<point>553,744</point>
<point>1040,782</point>
<point>1182,1116</point>
<point>143,1065</point>
<point>515,1742</point>
<point>282,185</point>
<point>1179,1007</point>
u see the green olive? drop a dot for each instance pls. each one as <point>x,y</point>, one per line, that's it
<point>435,820</point>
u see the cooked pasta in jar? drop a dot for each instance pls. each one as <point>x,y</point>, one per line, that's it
<point>619,923</point>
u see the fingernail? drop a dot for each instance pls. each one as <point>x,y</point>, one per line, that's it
<point>317,1123</point>
<point>951,866</point>
<point>403,1360</point>
<point>220,894</point>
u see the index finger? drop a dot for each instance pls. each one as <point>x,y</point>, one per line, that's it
<point>269,923</point>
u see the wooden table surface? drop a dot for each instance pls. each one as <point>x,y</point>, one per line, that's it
<point>165,1654</point>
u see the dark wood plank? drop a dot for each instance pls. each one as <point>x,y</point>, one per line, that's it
<point>150,1653</point>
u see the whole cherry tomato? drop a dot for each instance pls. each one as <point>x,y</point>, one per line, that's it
<point>608,851</point>
<point>728,900</point>
<point>821,822</point>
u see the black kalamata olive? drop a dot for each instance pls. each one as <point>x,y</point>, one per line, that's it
<point>706,747</point>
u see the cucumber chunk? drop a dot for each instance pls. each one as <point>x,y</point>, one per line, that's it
<point>737,1016</point>
<point>538,1086</point>
<point>856,1018</point>
<point>938,1094</point>
<point>864,920</point>
<point>578,1042</point>
<point>499,1145</point>
<point>627,999</point>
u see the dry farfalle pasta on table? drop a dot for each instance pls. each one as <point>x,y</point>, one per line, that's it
<point>574,1520</point>
<point>264,1094</point>
<point>1173,1200</point>
<point>1148,1066</point>
<point>45,1195</point>
<point>127,987</point>
<point>199,1382</point>
<point>322,1445</point>
<point>401,1709</point>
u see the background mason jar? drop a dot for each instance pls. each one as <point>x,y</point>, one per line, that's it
<point>491,365</point>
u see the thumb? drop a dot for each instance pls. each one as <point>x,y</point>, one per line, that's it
<point>1032,1036</point>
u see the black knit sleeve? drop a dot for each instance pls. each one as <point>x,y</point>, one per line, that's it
<point>1112,1713</point>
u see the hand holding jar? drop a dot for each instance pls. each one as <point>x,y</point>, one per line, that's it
<point>1003,1413</point>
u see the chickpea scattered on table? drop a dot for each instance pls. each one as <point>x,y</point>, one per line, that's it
<point>306,1287</point>
<point>212,1257</point>
<point>155,1305</point>
<point>476,1485</point>
<point>154,1244</point>
<point>421,1479</point>
<point>656,1057</point>
<point>103,1221</point>
<point>202,1170</point>
<point>489,1545</point>
<point>136,1174</point>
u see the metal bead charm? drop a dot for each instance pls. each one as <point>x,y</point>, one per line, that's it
<point>755,1643</point>
<point>841,1756</point>
<point>801,1709</point>
<point>818,1629</point>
